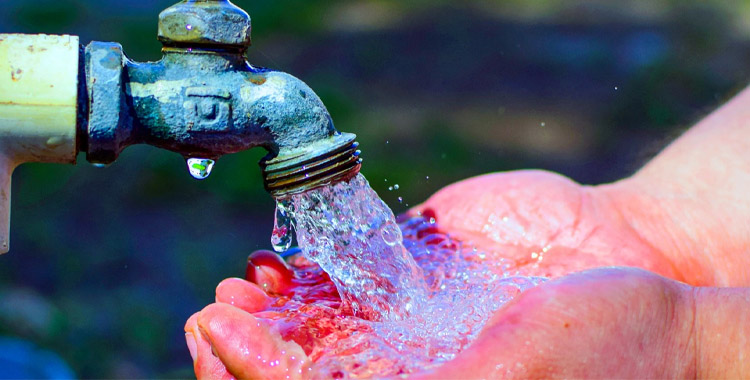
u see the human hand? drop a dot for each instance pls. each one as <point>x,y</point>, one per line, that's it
<point>601,323</point>
<point>569,229</point>
<point>606,322</point>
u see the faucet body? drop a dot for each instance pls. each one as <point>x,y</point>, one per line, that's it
<point>204,103</point>
<point>203,100</point>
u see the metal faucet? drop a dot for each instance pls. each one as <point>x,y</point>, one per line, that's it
<point>203,100</point>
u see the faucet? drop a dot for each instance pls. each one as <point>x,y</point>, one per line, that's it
<point>202,100</point>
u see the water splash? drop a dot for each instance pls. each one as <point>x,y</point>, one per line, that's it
<point>281,237</point>
<point>411,297</point>
<point>200,168</point>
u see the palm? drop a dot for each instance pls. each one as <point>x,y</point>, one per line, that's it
<point>546,224</point>
<point>542,224</point>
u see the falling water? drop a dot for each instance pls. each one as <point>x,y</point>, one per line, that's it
<point>416,297</point>
<point>281,237</point>
<point>200,168</point>
<point>353,236</point>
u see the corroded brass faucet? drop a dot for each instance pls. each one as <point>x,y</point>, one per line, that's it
<point>201,100</point>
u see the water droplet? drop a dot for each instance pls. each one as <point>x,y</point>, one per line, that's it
<point>200,168</point>
<point>189,27</point>
<point>543,124</point>
<point>386,141</point>
<point>616,88</point>
<point>395,187</point>
<point>99,165</point>
<point>281,237</point>
<point>427,177</point>
<point>400,200</point>
<point>390,188</point>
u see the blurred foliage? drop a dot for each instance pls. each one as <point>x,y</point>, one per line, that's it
<point>109,263</point>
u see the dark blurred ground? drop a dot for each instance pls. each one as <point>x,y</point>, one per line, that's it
<point>107,264</point>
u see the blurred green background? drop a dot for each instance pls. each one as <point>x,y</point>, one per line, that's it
<point>107,264</point>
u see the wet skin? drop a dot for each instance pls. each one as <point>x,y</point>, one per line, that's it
<point>684,219</point>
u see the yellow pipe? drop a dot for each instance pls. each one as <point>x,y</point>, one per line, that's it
<point>38,107</point>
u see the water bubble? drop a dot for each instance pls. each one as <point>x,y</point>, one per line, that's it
<point>543,124</point>
<point>391,233</point>
<point>200,168</point>
<point>390,188</point>
<point>616,88</point>
<point>189,27</point>
<point>400,200</point>
<point>395,187</point>
<point>281,237</point>
<point>427,177</point>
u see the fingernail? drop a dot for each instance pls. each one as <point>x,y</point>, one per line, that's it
<point>207,338</point>
<point>192,345</point>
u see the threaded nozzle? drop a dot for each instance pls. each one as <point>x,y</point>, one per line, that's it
<point>329,161</point>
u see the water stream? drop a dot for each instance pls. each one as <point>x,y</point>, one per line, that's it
<point>353,236</point>
<point>411,297</point>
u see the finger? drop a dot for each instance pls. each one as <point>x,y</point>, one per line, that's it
<point>248,347</point>
<point>242,294</point>
<point>270,272</point>
<point>205,364</point>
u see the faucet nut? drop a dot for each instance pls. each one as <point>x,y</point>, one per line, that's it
<point>205,22</point>
<point>109,124</point>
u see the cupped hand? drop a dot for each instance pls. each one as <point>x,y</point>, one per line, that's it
<point>600,323</point>
<point>546,224</point>
<point>543,224</point>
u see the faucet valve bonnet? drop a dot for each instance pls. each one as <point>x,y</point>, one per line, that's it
<point>205,23</point>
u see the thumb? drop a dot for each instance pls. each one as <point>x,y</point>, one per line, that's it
<point>249,347</point>
<point>205,363</point>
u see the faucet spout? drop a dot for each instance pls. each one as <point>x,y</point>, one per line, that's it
<point>204,100</point>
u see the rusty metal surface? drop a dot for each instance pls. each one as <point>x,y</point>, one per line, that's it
<point>203,100</point>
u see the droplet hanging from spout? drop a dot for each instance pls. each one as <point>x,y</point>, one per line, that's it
<point>281,237</point>
<point>200,168</point>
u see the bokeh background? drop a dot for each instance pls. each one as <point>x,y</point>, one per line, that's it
<point>107,264</point>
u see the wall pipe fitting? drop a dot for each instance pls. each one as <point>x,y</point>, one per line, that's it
<point>201,100</point>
